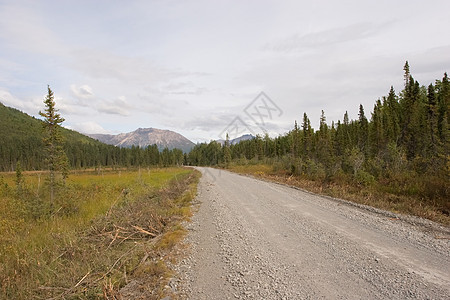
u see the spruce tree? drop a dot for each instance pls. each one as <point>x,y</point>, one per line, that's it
<point>376,130</point>
<point>324,151</point>
<point>363,127</point>
<point>443,110</point>
<point>346,134</point>
<point>432,118</point>
<point>306,136</point>
<point>410,112</point>
<point>407,75</point>
<point>392,109</point>
<point>56,158</point>
<point>295,146</point>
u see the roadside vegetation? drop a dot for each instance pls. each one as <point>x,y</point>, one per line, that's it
<point>397,159</point>
<point>103,230</point>
<point>111,222</point>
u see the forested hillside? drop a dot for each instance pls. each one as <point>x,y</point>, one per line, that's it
<point>402,146</point>
<point>21,140</point>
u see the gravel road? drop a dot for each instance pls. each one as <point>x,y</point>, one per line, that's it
<point>252,239</point>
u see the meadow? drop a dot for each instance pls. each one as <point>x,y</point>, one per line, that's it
<point>104,230</point>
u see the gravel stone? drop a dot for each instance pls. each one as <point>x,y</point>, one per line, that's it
<point>252,239</point>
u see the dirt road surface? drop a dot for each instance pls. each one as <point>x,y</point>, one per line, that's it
<point>252,239</point>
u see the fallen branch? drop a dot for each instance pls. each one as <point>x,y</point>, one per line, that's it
<point>124,238</point>
<point>152,228</point>
<point>81,280</point>
<point>144,231</point>
<point>115,237</point>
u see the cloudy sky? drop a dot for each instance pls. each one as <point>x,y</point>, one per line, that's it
<point>196,66</point>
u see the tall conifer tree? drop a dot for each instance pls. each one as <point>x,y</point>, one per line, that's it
<point>362,129</point>
<point>55,156</point>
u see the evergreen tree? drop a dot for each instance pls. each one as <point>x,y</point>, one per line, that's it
<point>55,156</point>
<point>413,111</point>
<point>165,157</point>
<point>392,112</point>
<point>269,146</point>
<point>432,119</point>
<point>443,110</point>
<point>407,74</point>
<point>324,149</point>
<point>377,141</point>
<point>295,144</point>
<point>307,135</point>
<point>343,137</point>
<point>363,127</point>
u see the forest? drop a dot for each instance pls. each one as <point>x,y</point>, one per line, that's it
<point>22,141</point>
<point>402,147</point>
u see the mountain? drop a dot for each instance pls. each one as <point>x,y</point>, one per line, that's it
<point>144,137</point>
<point>237,140</point>
<point>244,137</point>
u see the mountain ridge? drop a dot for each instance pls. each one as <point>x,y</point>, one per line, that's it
<point>144,137</point>
<point>237,140</point>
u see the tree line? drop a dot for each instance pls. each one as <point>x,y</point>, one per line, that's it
<point>405,140</point>
<point>22,140</point>
<point>30,153</point>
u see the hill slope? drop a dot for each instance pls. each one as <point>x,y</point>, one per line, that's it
<point>15,124</point>
<point>144,137</point>
<point>21,140</point>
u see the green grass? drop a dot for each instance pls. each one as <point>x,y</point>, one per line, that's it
<point>91,240</point>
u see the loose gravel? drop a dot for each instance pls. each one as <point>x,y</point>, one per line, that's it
<point>251,239</point>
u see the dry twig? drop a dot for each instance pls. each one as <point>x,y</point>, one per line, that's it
<point>143,230</point>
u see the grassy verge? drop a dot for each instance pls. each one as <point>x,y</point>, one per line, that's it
<point>375,195</point>
<point>105,231</point>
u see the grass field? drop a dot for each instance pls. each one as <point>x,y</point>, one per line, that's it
<point>104,230</point>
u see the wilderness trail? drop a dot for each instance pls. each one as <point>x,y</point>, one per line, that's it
<point>252,239</point>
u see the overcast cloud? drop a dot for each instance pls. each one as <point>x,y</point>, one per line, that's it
<point>194,66</point>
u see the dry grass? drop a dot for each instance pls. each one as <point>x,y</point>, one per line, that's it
<point>118,227</point>
<point>376,195</point>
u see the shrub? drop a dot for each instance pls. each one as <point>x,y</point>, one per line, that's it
<point>364,178</point>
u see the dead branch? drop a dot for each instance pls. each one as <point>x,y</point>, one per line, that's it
<point>152,228</point>
<point>144,231</point>
<point>112,241</point>
<point>81,280</point>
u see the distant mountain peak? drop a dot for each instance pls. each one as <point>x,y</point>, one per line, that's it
<point>144,137</point>
<point>244,137</point>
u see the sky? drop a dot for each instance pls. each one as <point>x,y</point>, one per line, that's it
<point>204,68</point>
